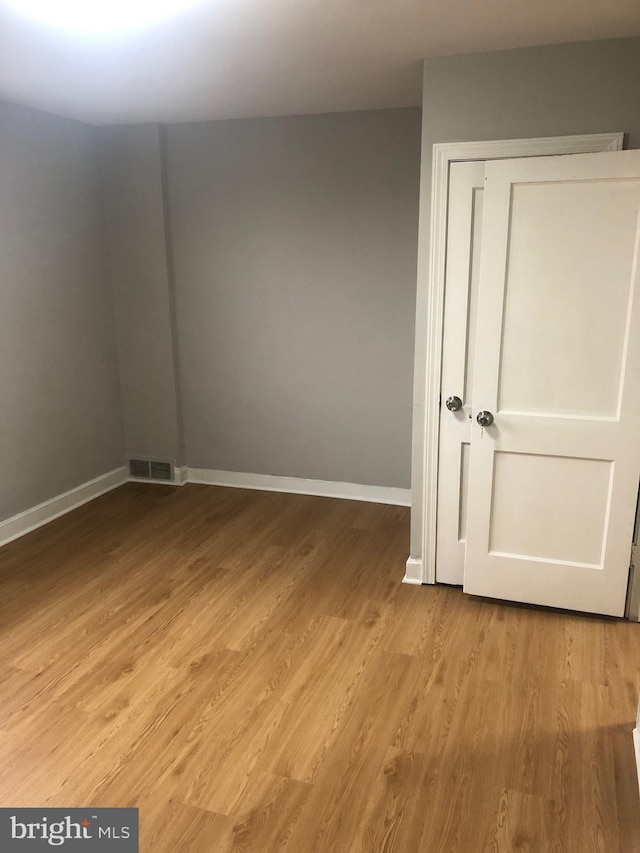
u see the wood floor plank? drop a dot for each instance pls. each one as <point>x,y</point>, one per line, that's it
<point>267,816</point>
<point>249,671</point>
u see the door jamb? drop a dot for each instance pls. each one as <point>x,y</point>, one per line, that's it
<point>422,569</point>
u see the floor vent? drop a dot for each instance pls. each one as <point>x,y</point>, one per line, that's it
<point>147,469</point>
<point>161,470</point>
<point>140,468</point>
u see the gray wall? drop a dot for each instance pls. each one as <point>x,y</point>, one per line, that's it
<point>61,419</point>
<point>590,87</point>
<point>294,243</point>
<point>133,192</point>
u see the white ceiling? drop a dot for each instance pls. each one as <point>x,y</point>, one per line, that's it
<point>236,58</point>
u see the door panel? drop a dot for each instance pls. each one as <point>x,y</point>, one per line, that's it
<point>567,292</point>
<point>473,276</point>
<point>553,482</point>
<point>463,498</point>
<point>560,514</point>
<point>464,233</point>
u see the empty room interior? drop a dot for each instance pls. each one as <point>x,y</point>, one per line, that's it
<point>274,344</point>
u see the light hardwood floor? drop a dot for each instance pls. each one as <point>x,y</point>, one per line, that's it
<point>248,670</point>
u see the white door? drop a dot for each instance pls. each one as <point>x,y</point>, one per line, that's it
<point>553,481</point>
<point>464,233</point>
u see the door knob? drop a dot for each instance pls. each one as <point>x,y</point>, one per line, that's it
<point>484,418</point>
<point>453,403</point>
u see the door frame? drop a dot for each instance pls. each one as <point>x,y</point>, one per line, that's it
<point>421,569</point>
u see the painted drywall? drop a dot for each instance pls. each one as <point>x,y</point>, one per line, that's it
<point>61,419</point>
<point>294,256</point>
<point>134,202</point>
<point>590,87</point>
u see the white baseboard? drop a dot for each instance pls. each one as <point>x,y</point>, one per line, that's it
<point>414,572</point>
<point>299,486</point>
<point>24,522</point>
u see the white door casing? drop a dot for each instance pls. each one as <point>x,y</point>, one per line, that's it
<point>553,482</point>
<point>464,234</point>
